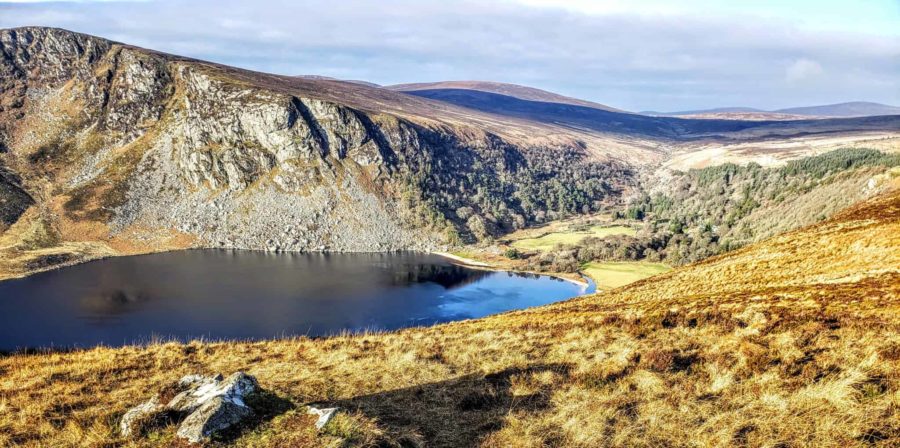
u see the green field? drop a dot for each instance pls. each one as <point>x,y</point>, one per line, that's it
<point>550,240</point>
<point>610,275</point>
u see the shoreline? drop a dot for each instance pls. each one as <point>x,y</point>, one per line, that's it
<point>456,259</point>
<point>475,264</point>
<point>465,261</point>
<point>163,340</point>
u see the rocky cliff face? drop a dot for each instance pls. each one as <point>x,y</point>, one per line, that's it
<point>144,151</point>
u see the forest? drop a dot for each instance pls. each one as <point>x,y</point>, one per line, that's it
<point>709,211</point>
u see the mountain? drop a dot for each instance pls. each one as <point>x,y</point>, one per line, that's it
<point>716,110</point>
<point>605,121</point>
<point>113,149</point>
<point>128,150</point>
<point>852,109</point>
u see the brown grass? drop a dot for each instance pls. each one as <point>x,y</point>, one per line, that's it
<point>792,342</point>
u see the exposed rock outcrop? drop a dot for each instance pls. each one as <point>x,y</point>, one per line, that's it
<point>209,405</point>
<point>213,406</point>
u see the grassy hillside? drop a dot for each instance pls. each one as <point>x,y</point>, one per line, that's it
<point>793,341</point>
<point>550,240</point>
<point>616,274</point>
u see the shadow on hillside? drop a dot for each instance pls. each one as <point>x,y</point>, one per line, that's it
<point>454,413</point>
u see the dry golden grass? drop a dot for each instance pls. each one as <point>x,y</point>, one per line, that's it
<point>614,274</point>
<point>792,342</point>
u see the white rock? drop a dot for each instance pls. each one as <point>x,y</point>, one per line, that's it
<point>212,416</point>
<point>325,415</point>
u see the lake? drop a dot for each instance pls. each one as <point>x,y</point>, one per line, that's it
<point>225,294</point>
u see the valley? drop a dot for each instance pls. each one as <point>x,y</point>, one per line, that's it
<point>745,262</point>
<point>807,320</point>
<point>112,149</point>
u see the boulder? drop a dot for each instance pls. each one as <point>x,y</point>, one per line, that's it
<point>194,390</point>
<point>210,404</point>
<point>214,415</point>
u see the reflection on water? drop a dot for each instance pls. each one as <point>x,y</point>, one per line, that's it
<point>240,294</point>
<point>447,275</point>
<point>111,302</point>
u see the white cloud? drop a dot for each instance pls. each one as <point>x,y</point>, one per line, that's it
<point>70,1</point>
<point>803,70</point>
<point>632,58</point>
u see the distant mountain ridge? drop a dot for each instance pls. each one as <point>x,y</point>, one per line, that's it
<point>715,110</point>
<point>577,116</point>
<point>837,110</point>
<point>512,90</point>
<point>851,109</point>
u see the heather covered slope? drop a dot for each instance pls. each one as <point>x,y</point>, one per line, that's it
<point>513,90</point>
<point>793,341</point>
<point>587,117</point>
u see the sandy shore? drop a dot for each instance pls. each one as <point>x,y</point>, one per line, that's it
<point>463,260</point>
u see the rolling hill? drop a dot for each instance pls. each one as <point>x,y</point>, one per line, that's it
<point>849,109</point>
<point>716,110</point>
<point>329,78</point>
<point>499,88</point>
<point>595,118</point>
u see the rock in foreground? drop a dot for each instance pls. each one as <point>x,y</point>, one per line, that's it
<point>209,404</point>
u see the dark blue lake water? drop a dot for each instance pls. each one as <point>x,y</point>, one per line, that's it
<point>222,294</point>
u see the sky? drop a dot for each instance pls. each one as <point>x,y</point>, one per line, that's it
<point>660,55</point>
